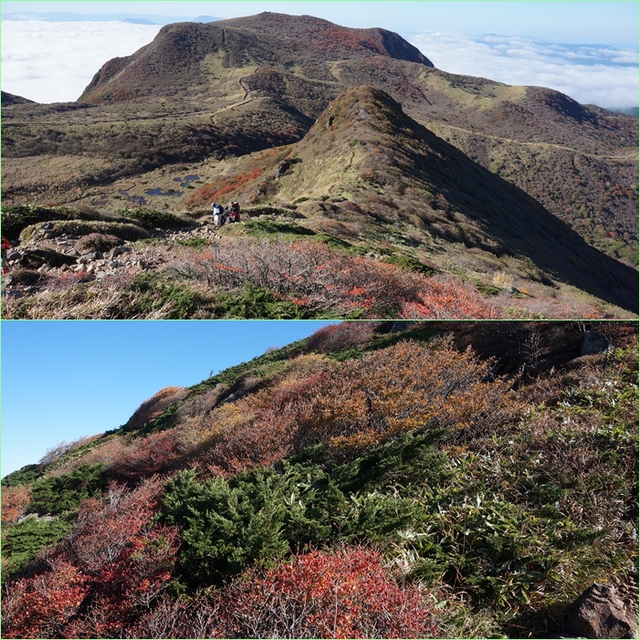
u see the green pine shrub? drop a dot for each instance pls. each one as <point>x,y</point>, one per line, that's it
<point>56,495</point>
<point>256,302</point>
<point>264,514</point>
<point>25,540</point>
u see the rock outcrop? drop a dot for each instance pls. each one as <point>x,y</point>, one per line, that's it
<point>605,611</point>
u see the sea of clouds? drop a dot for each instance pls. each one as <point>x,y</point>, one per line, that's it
<point>54,61</point>
<point>591,74</point>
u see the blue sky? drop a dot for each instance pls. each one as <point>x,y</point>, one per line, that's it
<point>594,57</point>
<point>607,22</point>
<point>62,380</point>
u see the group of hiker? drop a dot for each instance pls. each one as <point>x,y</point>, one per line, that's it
<point>222,215</point>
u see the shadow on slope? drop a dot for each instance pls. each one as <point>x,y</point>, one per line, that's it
<point>473,205</point>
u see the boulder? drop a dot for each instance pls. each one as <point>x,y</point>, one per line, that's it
<point>118,251</point>
<point>601,612</point>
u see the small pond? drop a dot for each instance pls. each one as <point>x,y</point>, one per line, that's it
<point>158,191</point>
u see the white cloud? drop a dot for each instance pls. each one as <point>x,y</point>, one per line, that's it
<point>55,61</point>
<point>605,76</point>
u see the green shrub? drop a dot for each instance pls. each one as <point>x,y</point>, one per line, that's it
<point>123,230</point>
<point>23,542</point>
<point>261,515</point>
<point>194,243</point>
<point>267,227</point>
<point>98,242</point>
<point>333,242</point>
<point>25,475</point>
<point>266,210</point>
<point>16,217</point>
<point>155,293</point>
<point>61,494</point>
<point>256,302</point>
<point>488,290</point>
<point>408,263</point>
<point>152,219</point>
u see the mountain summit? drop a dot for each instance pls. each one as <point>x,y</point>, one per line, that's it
<point>184,56</point>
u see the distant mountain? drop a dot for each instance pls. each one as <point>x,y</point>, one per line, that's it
<point>302,47</point>
<point>66,16</point>
<point>138,21</point>
<point>10,98</point>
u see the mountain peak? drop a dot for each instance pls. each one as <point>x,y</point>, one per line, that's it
<point>186,55</point>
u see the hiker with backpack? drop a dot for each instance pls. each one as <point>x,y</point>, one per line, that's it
<point>234,212</point>
<point>218,214</point>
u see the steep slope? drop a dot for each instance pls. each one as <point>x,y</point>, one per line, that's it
<point>366,151</point>
<point>380,465</point>
<point>366,180</point>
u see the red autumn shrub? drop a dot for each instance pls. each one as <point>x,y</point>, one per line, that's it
<point>106,574</point>
<point>337,337</point>
<point>154,406</point>
<point>344,594</point>
<point>313,275</point>
<point>449,299</point>
<point>144,457</point>
<point>40,607</point>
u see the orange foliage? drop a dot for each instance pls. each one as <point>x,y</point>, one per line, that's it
<point>211,192</point>
<point>404,387</point>
<point>266,437</point>
<point>361,403</point>
<point>15,501</point>
<point>40,607</point>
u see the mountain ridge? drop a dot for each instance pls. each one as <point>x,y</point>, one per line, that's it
<point>223,105</point>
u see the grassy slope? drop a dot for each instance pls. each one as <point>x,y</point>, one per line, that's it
<point>260,85</point>
<point>505,527</point>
